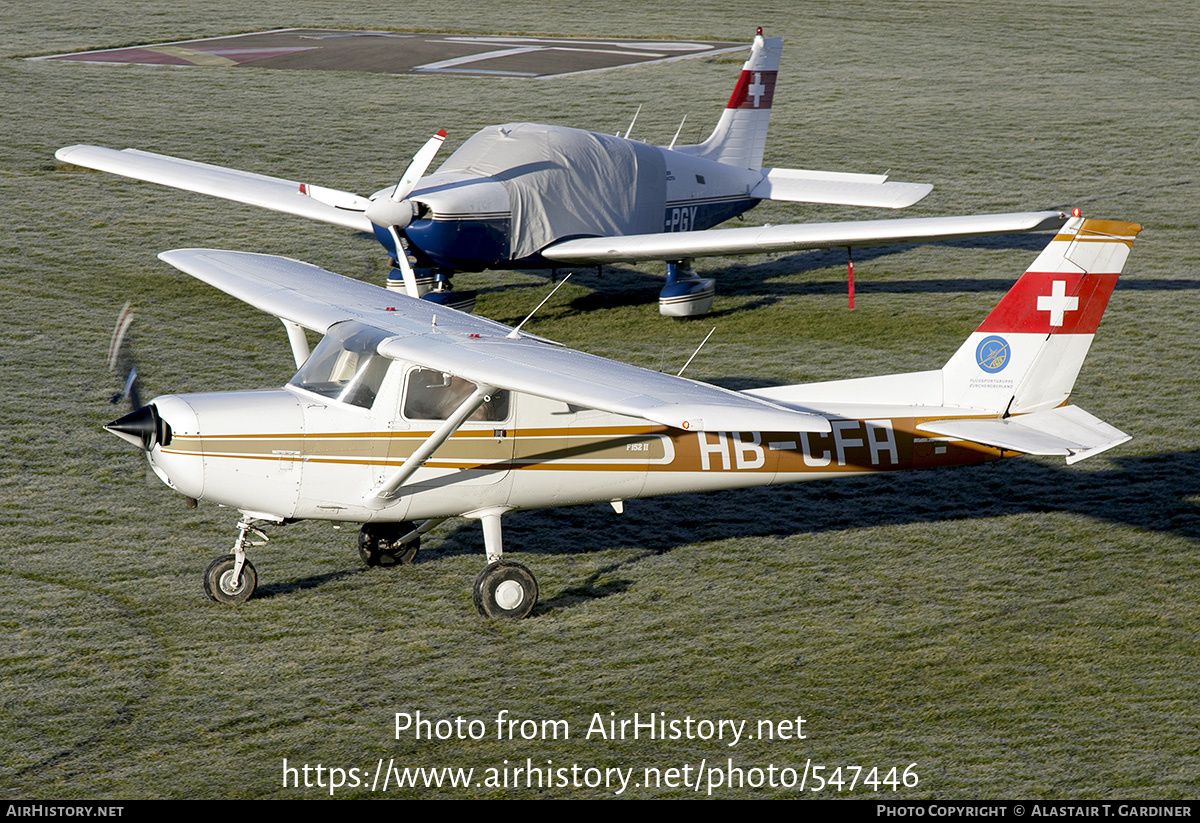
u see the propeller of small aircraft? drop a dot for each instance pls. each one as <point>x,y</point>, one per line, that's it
<point>143,427</point>
<point>395,211</point>
<point>120,360</point>
<point>391,211</point>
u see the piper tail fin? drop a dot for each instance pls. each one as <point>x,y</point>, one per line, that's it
<point>1026,354</point>
<point>741,134</point>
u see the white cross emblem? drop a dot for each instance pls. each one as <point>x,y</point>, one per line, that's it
<point>1057,302</point>
<point>756,89</point>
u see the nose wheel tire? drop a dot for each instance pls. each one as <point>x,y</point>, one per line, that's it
<point>380,545</point>
<point>505,591</point>
<point>220,585</point>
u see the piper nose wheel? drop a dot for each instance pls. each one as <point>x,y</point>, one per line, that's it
<point>220,585</point>
<point>505,591</point>
<point>380,545</point>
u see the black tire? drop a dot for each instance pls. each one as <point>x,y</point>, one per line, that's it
<point>220,586</point>
<point>378,545</point>
<point>505,591</point>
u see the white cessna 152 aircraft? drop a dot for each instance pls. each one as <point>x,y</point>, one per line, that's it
<point>408,413</point>
<point>524,196</point>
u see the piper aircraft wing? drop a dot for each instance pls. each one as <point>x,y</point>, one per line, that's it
<point>480,350</point>
<point>342,208</point>
<point>795,237</point>
<point>326,205</point>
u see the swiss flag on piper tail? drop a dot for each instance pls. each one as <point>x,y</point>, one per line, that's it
<point>754,90</point>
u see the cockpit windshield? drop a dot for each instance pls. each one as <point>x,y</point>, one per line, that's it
<point>345,365</point>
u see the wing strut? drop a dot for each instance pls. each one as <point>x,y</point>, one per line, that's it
<point>383,494</point>
<point>298,341</point>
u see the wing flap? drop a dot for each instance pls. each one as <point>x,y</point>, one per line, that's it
<point>272,193</point>
<point>838,188</point>
<point>794,237</point>
<point>1067,430</point>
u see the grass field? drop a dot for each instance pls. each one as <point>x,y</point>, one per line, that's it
<point>1017,630</point>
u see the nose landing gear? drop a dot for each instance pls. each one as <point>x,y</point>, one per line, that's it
<point>225,585</point>
<point>231,578</point>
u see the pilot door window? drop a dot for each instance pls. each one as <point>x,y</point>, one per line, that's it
<point>433,395</point>
<point>345,366</point>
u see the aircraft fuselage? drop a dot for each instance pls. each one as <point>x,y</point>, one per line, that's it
<point>469,219</point>
<point>301,456</point>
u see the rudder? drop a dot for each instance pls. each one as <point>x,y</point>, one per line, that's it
<point>1026,354</point>
<point>740,135</point>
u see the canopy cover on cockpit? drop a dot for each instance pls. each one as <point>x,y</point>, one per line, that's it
<point>600,186</point>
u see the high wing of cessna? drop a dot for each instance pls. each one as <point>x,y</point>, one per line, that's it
<point>408,413</point>
<point>523,195</point>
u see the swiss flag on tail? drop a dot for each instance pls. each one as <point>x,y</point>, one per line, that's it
<point>1052,303</point>
<point>1067,288</point>
<point>754,90</point>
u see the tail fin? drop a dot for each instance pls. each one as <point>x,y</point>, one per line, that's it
<point>1026,355</point>
<point>741,133</point>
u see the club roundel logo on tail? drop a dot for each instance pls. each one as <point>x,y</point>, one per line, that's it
<point>992,354</point>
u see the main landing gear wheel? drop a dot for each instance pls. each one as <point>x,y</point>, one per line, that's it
<point>506,591</point>
<point>220,585</point>
<point>379,545</point>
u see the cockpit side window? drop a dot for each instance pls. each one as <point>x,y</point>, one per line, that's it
<point>434,395</point>
<point>345,365</point>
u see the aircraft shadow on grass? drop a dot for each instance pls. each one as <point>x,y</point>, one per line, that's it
<point>1154,493</point>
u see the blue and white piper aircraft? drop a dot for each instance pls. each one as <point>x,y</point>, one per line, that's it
<point>408,413</point>
<point>523,196</point>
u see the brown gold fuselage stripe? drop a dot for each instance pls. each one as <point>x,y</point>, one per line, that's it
<point>886,444</point>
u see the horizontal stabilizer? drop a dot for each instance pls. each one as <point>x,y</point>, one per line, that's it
<point>274,193</point>
<point>838,188</point>
<point>683,245</point>
<point>1066,430</point>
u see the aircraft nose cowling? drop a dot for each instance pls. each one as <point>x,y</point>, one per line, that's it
<point>174,458</point>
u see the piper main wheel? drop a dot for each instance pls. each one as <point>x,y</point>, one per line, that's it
<point>220,585</point>
<point>506,591</point>
<point>379,545</point>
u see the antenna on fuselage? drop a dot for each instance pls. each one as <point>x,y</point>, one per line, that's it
<point>677,133</point>
<point>696,352</point>
<point>629,130</point>
<point>513,334</point>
